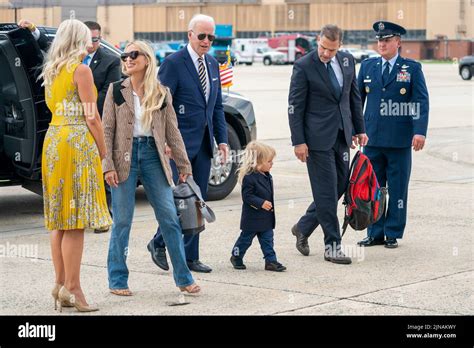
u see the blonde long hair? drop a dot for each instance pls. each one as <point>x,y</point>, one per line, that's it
<point>255,154</point>
<point>68,47</point>
<point>154,92</point>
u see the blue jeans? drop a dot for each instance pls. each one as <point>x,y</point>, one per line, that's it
<point>265,239</point>
<point>146,164</point>
<point>201,164</point>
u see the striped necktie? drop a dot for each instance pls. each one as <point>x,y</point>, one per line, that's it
<point>202,75</point>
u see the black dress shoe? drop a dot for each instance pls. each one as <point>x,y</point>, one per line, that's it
<point>237,262</point>
<point>369,241</point>
<point>102,230</point>
<point>274,266</point>
<point>198,266</point>
<point>158,255</point>
<point>337,257</point>
<point>301,241</point>
<point>391,243</point>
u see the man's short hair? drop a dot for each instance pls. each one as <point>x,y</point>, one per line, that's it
<point>93,25</point>
<point>200,18</point>
<point>332,32</point>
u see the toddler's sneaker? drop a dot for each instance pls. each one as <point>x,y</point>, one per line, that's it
<point>237,262</point>
<point>274,266</point>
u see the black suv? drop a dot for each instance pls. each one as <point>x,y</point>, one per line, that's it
<point>24,116</point>
<point>466,67</point>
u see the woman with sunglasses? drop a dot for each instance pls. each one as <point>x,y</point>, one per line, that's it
<point>136,133</point>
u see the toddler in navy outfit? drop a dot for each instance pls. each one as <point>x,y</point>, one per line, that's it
<point>258,214</point>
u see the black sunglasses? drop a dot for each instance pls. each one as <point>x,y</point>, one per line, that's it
<point>96,39</point>
<point>132,54</point>
<point>202,36</point>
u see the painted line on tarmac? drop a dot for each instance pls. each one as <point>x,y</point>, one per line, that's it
<point>354,297</point>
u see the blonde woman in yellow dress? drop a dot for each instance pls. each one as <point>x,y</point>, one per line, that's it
<point>73,187</point>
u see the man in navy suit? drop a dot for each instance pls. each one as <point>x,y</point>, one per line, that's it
<point>193,78</point>
<point>396,117</point>
<point>325,115</point>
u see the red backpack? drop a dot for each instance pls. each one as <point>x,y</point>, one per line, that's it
<point>364,198</point>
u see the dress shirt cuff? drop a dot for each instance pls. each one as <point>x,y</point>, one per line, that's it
<point>36,34</point>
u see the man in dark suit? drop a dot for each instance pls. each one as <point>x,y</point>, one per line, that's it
<point>40,38</point>
<point>106,69</point>
<point>105,65</point>
<point>396,116</point>
<point>193,78</point>
<point>324,112</point>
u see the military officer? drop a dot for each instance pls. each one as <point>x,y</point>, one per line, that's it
<point>396,100</point>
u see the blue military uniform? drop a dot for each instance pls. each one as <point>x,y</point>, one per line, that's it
<point>396,108</point>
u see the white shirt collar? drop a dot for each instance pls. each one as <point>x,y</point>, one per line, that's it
<point>333,61</point>
<point>195,57</point>
<point>192,53</point>
<point>91,55</point>
<point>391,61</point>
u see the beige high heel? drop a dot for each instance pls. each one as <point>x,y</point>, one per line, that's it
<point>55,294</point>
<point>65,295</point>
<point>192,289</point>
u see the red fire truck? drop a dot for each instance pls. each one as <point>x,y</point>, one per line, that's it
<point>294,46</point>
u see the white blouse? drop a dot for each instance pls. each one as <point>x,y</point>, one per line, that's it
<point>137,128</point>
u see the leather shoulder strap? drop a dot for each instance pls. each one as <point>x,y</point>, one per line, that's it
<point>205,209</point>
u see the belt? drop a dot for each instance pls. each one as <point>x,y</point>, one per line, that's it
<point>143,139</point>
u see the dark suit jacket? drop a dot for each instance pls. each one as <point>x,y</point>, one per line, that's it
<point>314,112</point>
<point>43,41</point>
<point>179,74</point>
<point>398,110</point>
<point>105,68</point>
<point>256,189</point>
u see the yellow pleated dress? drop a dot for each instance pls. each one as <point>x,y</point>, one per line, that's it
<point>73,185</point>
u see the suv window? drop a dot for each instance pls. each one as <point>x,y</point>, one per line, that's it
<point>22,102</point>
<point>8,96</point>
